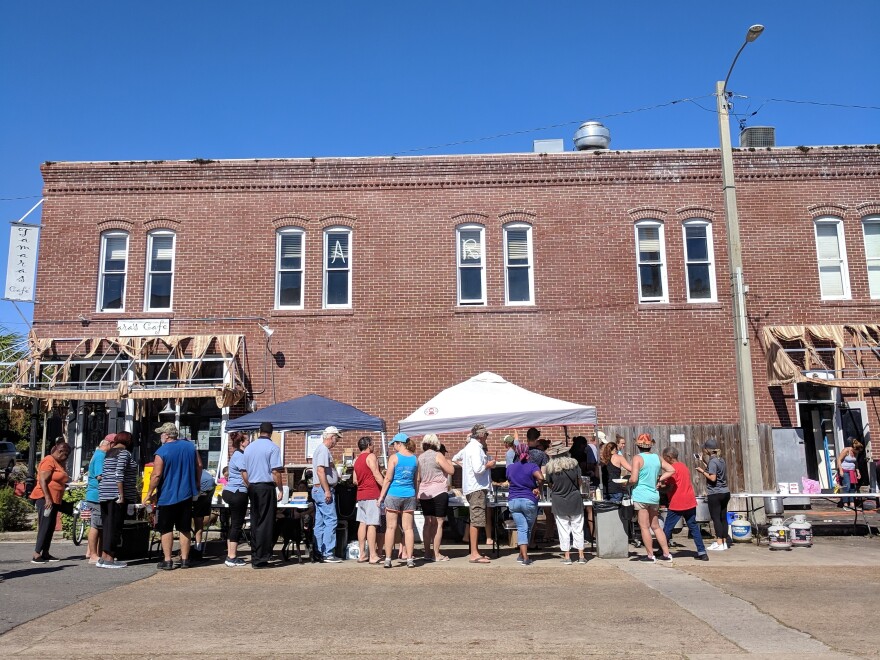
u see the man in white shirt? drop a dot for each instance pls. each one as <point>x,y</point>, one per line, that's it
<point>476,468</point>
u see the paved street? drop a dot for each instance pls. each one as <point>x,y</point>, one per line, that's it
<point>747,601</point>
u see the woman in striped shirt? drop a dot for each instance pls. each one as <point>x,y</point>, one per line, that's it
<point>118,489</point>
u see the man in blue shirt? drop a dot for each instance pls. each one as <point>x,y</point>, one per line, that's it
<point>262,466</point>
<point>173,484</point>
<point>93,499</point>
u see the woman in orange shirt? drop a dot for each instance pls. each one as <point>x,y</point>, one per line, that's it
<point>52,479</point>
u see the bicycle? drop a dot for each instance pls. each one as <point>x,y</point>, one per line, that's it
<point>82,520</point>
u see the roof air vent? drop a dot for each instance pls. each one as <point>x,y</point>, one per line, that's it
<point>592,135</point>
<point>757,136</point>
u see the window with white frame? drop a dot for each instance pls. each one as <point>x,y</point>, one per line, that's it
<point>113,269</point>
<point>337,267</point>
<point>871,230</point>
<point>651,261</point>
<point>831,257</point>
<point>471,259</point>
<point>160,270</point>
<point>519,280</point>
<point>699,257</point>
<point>290,245</point>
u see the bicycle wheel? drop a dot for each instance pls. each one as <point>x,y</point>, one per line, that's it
<point>80,529</point>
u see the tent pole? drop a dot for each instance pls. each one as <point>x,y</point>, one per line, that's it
<point>565,428</point>
<point>384,451</point>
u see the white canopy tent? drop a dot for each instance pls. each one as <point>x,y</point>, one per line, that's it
<point>489,399</point>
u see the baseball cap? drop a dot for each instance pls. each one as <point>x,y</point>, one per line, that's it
<point>399,437</point>
<point>711,443</point>
<point>167,427</point>
<point>479,428</point>
<point>331,430</point>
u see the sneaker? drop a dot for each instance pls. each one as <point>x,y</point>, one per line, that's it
<point>50,558</point>
<point>721,548</point>
<point>333,559</point>
<point>164,565</point>
<point>566,562</point>
<point>582,561</point>
<point>410,563</point>
<point>115,564</point>
<point>702,557</point>
<point>40,560</point>
<point>526,562</point>
<point>649,558</point>
<point>235,562</point>
<point>519,559</point>
<point>185,563</point>
<point>714,546</point>
<point>387,563</point>
<point>666,558</point>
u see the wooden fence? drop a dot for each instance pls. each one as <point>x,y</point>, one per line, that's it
<point>694,437</point>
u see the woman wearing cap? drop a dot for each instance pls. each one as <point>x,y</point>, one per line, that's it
<point>718,494</point>
<point>613,464</point>
<point>649,471</point>
<point>434,471</point>
<point>564,478</point>
<point>525,479</point>
<point>399,495</point>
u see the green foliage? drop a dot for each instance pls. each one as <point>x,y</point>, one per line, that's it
<point>22,445</point>
<point>72,495</point>
<point>15,512</point>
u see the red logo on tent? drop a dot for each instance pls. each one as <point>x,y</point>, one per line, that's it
<point>431,411</point>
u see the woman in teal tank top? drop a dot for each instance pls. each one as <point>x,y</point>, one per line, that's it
<point>399,496</point>
<point>648,472</point>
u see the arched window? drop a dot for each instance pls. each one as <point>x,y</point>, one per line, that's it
<point>112,271</point>
<point>159,289</point>
<point>289,259</point>
<point>337,267</point>
<point>471,259</point>
<point>651,261</point>
<point>519,286</point>
<point>699,259</point>
<point>831,258</point>
<point>871,232</point>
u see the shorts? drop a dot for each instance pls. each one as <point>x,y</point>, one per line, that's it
<point>400,504</point>
<point>202,505</point>
<point>435,506</point>
<point>368,512</point>
<point>477,503</point>
<point>171,516</point>
<point>95,508</point>
<point>638,506</point>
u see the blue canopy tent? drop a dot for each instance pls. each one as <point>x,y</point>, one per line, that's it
<point>308,413</point>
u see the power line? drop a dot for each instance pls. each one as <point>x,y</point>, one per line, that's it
<point>12,199</point>
<point>545,128</point>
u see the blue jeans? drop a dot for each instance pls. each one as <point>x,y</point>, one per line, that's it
<point>524,513</point>
<point>325,523</point>
<point>847,486</point>
<point>617,498</point>
<point>690,518</point>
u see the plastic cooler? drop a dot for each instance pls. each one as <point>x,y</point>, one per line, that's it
<point>611,522</point>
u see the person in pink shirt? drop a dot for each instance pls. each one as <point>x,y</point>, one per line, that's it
<point>682,502</point>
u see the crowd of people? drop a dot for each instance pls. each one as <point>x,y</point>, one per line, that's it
<point>180,492</point>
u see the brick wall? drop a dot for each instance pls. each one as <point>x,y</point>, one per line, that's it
<point>587,339</point>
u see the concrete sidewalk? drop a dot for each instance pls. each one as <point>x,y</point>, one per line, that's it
<point>749,600</point>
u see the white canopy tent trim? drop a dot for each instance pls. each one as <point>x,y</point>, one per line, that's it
<point>489,399</point>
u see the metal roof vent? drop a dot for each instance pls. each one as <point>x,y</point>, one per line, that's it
<point>554,146</point>
<point>592,135</point>
<point>757,136</point>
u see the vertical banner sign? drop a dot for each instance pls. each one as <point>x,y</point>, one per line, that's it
<point>22,267</point>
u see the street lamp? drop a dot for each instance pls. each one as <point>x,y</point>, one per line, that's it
<point>748,418</point>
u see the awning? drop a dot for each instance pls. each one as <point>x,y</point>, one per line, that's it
<point>105,368</point>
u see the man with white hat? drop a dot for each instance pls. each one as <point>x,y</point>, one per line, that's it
<point>324,480</point>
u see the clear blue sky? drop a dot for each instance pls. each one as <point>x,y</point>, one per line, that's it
<point>103,80</point>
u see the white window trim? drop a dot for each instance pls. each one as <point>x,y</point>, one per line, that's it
<point>841,246</point>
<point>531,266</point>
<point>148,277</point>
<point>113,233</point>
<point>302,269</point>
<point>710,254</point>
<point>482,266</point>
<point>327,232</point>
<point>662,234</point>
<point>870,220</point>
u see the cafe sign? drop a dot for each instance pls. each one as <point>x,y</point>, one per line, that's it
<point>143,328</point>
<point>22,265</point>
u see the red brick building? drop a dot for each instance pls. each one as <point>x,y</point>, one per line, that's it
<point>595,277</point>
